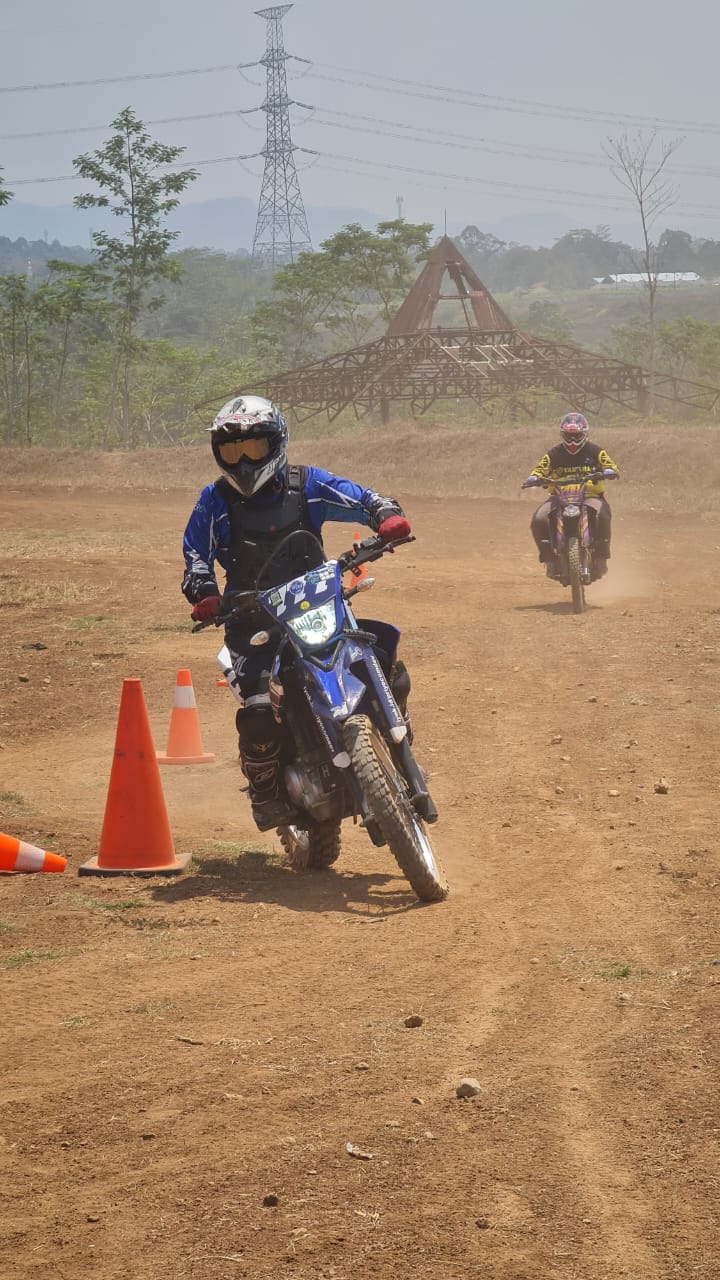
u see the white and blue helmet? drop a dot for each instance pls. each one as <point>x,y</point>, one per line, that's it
<point>249,442</point>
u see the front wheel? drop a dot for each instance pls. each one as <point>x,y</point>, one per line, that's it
<point>575,574</point>
<point>387,798</point>
<point>313,845</point>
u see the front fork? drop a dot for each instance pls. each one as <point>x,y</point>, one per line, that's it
<point>574,526</point>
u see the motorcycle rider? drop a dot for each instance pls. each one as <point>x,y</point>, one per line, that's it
<point>237,522</point>
<point>575,454</point>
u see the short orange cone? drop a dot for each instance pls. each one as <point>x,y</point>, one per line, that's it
<point>184,740</point>
<point>16,855</point>
<point>135,838</point>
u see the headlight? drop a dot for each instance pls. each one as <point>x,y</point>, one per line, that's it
<point>317,626</point>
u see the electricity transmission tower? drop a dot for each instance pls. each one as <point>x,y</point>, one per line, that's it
<point>281,232</point>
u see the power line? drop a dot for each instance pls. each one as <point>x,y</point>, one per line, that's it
<point>411,133</point>
<point>362,79</point>
<point>98,128</point>
<point>545,194</point>
<point>148,75</point>
<point>522,105</point>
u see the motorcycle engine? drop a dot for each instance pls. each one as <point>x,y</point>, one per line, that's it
<point>310,787</point>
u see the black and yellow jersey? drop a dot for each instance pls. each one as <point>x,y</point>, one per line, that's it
<point>559,463</point>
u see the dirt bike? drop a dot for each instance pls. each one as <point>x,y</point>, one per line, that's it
<point>330,686</point>
<point>571,534</point>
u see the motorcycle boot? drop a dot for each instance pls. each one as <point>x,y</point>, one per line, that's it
<point>547,557</point>
<point>261,745</point>
<point>600,558</point>
<point>401,684</point>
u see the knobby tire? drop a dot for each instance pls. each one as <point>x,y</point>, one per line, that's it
<point>575,574</point>
<point>312,846</point>
<point>386,797</point>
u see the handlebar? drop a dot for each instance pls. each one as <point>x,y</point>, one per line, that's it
<point>578,478</point>
<point>246,602</point>
<point>367,550</point>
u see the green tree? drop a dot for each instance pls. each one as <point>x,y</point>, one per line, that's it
<point>5,195</point>
<point>685,348</point>
<point>639,165</point>
<point>548,320</point>
<point>334,298</point>
<point>676,250</point>
<point>46,335</point>
<point>17,356</point>
<point>381,263</point>
<point>137,185</point>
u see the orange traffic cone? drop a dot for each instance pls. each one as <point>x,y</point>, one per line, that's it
<point>135,838</point>
<point>16,855</point>
<point>184,740</point>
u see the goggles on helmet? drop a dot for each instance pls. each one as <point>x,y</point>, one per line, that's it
<point>251,448</point>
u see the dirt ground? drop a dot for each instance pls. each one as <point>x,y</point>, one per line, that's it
<point>175,1051</point>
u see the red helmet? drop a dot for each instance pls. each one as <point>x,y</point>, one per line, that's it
<point>574,431</point>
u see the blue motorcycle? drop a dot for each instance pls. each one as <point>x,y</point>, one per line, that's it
<point>330,687</point>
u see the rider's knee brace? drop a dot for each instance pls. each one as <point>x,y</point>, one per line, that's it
<point>260,744</point>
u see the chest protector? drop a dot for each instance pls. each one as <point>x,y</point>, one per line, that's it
<point>257,529</point>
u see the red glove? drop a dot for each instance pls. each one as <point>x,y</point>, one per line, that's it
<point>393,528</point>
<point>207,609</point>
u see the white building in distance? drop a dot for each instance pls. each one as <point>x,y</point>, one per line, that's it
<point>639,277</point>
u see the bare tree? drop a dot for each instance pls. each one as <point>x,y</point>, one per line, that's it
<point>638,162</point>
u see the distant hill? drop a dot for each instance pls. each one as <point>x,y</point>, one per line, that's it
<point>29,256</point>
<point>227,226</point>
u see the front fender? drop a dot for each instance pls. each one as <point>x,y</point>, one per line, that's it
<point>337,692</point>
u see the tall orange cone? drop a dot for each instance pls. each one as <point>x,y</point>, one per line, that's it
<point>135,838</point>
<point>16,855</point>
<point>184,740</point>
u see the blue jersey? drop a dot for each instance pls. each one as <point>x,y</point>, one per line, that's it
<point>327,497</point>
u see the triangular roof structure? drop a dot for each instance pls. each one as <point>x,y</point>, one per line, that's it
<point>417,312</point>
<point>418,362</point>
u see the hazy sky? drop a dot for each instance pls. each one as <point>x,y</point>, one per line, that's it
<point>649,58</point>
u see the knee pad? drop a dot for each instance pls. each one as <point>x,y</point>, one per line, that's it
<point>256,727</point>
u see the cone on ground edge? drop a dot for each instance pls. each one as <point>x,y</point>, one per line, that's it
<point>16,855</point>
<point>135,838</point>
<point>184,740</point>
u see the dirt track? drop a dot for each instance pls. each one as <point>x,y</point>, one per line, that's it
<point>175,1051</point>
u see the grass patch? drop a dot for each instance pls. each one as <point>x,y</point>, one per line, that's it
<point>71,546</point>
<point>14,805</point>
<point>95,904</point>
<point>87,621</point>
<point>153,1008</point>
<point>241,862</point>
<point>620,970</point>
<point>16,592</point>
<point>12,797</point>
<point>76,1020</point>
<point>232,850</point>
<point>28,957</point>
<point>249,857</point>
